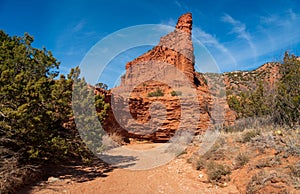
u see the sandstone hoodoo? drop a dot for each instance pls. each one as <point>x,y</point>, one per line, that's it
<point>176,48</point>
<point>161,93</point>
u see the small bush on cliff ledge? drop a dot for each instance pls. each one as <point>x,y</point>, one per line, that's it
<point>158,92</point>
<point>176,93</point>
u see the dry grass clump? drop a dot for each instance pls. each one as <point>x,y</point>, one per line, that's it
<point>111,141</point>
<point>292,143</point>
<point>248,135</point>
<point>295,170</point>
<point>218,173</point>
<point>243,124</point>
<point>266,152</point>
<point>263,179</point>
<point>218,150</point>
<point>295,175</point>
<point>200,163</point>
<point>241,160</point>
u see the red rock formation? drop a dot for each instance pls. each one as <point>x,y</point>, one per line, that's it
<point>169,67</point>
<point>176,48</point>
<point>185,23</point>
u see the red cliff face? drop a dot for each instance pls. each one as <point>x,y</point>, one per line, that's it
<point>185,23</point>
<point>184,101</point>
<point>176,48</point>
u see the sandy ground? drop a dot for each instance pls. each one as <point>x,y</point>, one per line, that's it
<point>177,176</point>
<point>269,169</point>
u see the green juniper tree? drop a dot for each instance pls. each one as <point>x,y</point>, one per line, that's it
<point>25,96</point>
<point>287,101</point>
<point>88,120</point>
<point>36,116</point>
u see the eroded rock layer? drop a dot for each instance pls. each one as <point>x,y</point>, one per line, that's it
<point>161,94</point>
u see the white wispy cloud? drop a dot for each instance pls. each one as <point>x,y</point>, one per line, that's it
<point>217,50</point>
<point>292,14</point>
<point>274,20</point>
<point>208,39</point>
<point>275,33</point>
<point>72,42</point>
<point>285,19</point>
<point>281,30</point>
<point>178,4</point>
<point>181,5</point>
<point>79,26</point>
<point>238,27</point>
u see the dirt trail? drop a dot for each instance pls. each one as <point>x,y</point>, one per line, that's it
<point>175,177</point>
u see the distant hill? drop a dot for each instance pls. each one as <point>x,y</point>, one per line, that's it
<point>237,81</point>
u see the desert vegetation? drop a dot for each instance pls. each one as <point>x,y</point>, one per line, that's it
<point>280,100</point>
<point>176,93</point>
<point>257,158</point>
<point>158,92</point>
<point>36,119</point>
<point>260,153</point>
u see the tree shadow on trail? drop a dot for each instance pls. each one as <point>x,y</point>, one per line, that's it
<point>73,171</point>
<point>78,171</point>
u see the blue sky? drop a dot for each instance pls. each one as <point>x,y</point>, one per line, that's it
<point>238,34</point>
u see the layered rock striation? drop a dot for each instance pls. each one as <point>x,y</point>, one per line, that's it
<point>161,94</point>
<point>176,48</point>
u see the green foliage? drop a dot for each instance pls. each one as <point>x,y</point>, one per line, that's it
<point>283,103</point>
<point>35,109</point>
<point>102,86</point>
<point>287,101</point>
<point>253,103</point>
<point>101,107</point>
<point>259,101</point>
<point>26,95</point>
<point>157,93</point>
<point>235,104</point>
<point>86,117</point>
<point>176,93</point>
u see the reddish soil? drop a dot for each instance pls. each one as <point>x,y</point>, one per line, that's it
<point>272,167</point>
<point>174,177</point>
